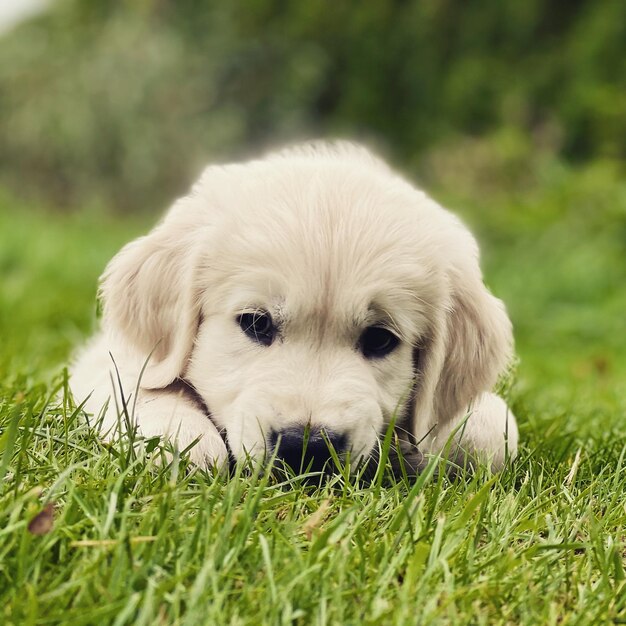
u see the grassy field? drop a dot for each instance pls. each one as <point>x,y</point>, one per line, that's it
<point>92,534</point>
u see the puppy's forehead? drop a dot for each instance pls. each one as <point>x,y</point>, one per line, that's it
<point>330,246</point>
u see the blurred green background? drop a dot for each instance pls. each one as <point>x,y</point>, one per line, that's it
<point>513,114</point>
<point>123,102</point>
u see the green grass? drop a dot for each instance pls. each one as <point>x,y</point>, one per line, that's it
<point>131,543</point>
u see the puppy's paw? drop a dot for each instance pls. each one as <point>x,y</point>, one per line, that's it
<point>184,427</point>
<point>486,434</point>
<point>204,445</point>
<point>209,452</point>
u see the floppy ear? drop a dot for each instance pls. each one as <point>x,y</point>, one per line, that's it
<point>149,298</point>
<point>478,347</point>
<point>470,345</point>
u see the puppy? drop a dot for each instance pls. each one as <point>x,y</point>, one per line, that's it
<point>310,295</point>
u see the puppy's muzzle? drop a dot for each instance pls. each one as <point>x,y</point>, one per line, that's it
<point>307,449</point>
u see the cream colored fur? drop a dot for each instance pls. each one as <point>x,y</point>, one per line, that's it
<point>328,240</point>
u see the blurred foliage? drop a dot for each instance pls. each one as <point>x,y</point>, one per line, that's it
<point>122,102</point>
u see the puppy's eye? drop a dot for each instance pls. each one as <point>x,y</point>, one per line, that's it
<point>258,326</point>
<point>377,342</point>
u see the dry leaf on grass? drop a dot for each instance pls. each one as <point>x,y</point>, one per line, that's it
<point>315,520</point>
<point>42,523</point>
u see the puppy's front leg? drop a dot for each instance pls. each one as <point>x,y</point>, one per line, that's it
<point>487,431</point>
<point>173,416</point>
<point>172,413</point>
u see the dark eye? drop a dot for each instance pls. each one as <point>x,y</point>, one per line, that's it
<point>377,342</point>
<point>258,326</point>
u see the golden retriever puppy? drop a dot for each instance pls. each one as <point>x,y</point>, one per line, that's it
<point>312,294</point>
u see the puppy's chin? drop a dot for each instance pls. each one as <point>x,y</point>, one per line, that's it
<point>403,458</point>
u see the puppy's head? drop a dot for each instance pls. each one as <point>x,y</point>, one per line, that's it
<point>310,292</point>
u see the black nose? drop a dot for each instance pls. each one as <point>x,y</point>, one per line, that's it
<point>305,448</point>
